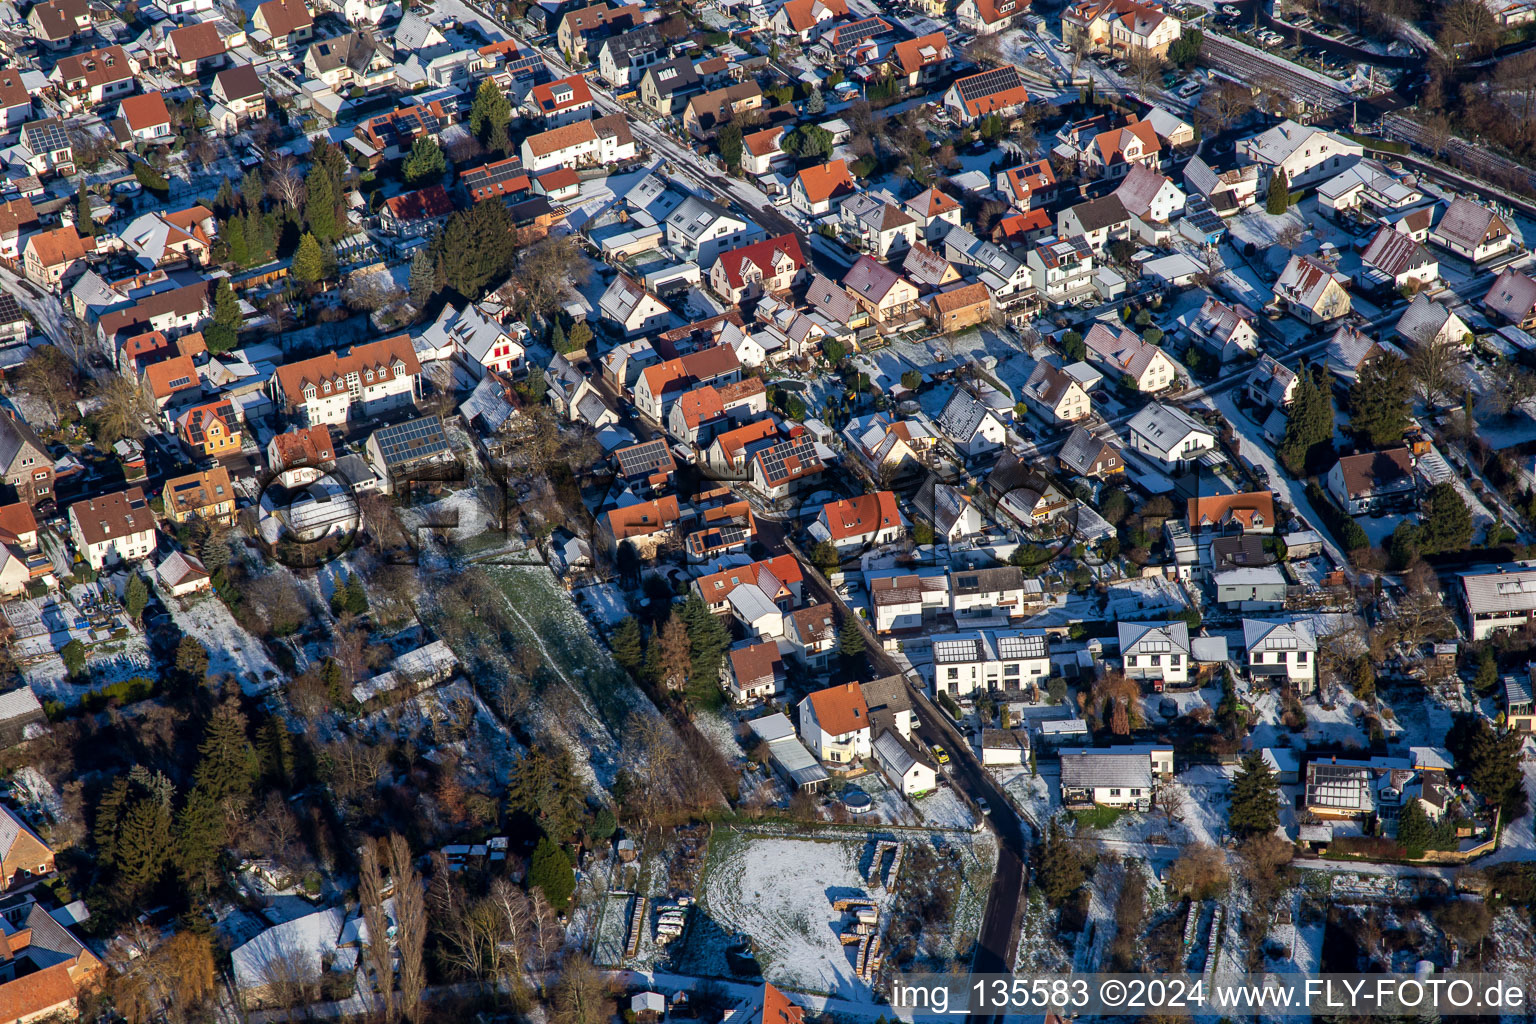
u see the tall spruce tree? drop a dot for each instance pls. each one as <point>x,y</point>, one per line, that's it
<point>227,763</point>
<point>234,241</point>
<point>1309,425</point>
<point>628,647</point>
<point>224,333</point>
<point>1255,798</point>
<point>309,262</point>
<point>1060,870</point>
<point>320,204</point>
<point>1279,193</point>
<point>1379,401</point>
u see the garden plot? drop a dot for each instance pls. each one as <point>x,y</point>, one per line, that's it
<point>779,888</point>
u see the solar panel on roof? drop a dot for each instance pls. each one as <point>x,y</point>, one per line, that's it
<point>989,82</point>
<point>955,650</point>
<point>415,439</point>
<point>493,174</point>
<point>47,134</point>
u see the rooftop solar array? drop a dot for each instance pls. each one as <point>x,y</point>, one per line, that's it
<point>640,459</point>
<point>963,649</point>
<point>1021,645</point>
<point>492,174</point>
<point>46,135</point>
<point>414,439</point>
<point>988,82</point>
<point>786,460</point>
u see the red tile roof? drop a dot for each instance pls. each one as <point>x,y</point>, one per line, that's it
<point>861,516</point>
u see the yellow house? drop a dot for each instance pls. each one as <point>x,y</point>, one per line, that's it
<point>1519,708</point>
<point>206,495</point>
<point>211,429</point>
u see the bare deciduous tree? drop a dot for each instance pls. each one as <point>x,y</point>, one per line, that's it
<point>410,924</point>
<point>370,893</point>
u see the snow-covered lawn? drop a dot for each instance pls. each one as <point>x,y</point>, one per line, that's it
<point>943,808</point>
<point>231,650</point>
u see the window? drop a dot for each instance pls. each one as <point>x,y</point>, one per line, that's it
<point>1114,792</point>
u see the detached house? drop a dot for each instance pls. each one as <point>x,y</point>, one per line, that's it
<point>635,310</point>
<point>1249,512</point>
<point>1513,299</point>
<point>1156,651</point>
<point>207,495</point>
<point>113,528</point>
<point>1311,290</point>
<point>665,87</point>
<point>1429,323</point>
<point>862,523</point>
<point>1123,26</point>
<point>239,91</point>
<point>1115,777</point>
<point>46,149</point>
<point>885,295</point>
<point>762,151</point>
<point>960,307</point>
<point>1056,395</point>
<point>193,49</point>
<point>704,113</point>
<point>1169,436</point>
<point>876,225</point>
<point>987,17</point>
<point>562,101</point>
<point>1030,186</point>
<point>1283,651</point>
<point>1271,384</point>
<point>1114,152</point>
<point>969,425</point>
<point>646,526</point>
<point>606,140</point>
<point>1226,330</point>
<point>15,100</point>
<point>998,90</point>
<point>210,429</point>
<point>1306,154</point>
<point>815,188</point>
<point>1373,482</point>
<point>835,724</point>
<point>935,212</point>
<point>1087,455</point>
<point>1152,200</point>
<point>1473,232</point>
<point>919,61</point>
<point>87,80</point>
<point>990,660</point>
<point>24,461</point>
<point>772,265</point>
<point>1398,260</point>
<point>804,19</point>
<point>56,23</point>
<point>282,24</point>
<point>1147,366</point>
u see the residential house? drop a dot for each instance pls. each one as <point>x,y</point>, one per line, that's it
<point>87,80</point>
<point>17,217</point>
<point>416,214</point>
<point>1152,200</point>
<point>1500,599</point>
<point>1271,384</point>
<point>24,460</point>
<point>300,457</point>
<point>173,312</point>
<point>1086,455</point>
<point>1147,367</point>
<point>772,265</point>
<point>1373,482</point>
<point>408,451</point>
<point>283,23</point>
<point>635,310</point>
<point>950,510</point>
<point>1311,290</point>
<point>1282,650</point>
<point>701,230</point>
<point>1226,330</point>
<point>1427,323</point>
<point>1247,512</point>
<point>622,59</point>
<point>1097,221</point>
<point>1169,436</point>
<point>480,344</point>
<point>179,238</point>
<point>206,495</point>
<point>960,307</point>
<point>1400,261</point>
<point>1124,777</point>
<point>1519,707</point>
<point>660,385</point>
<point>603,141</point>
<point>971,427</point>
<point>861,524</point>
<point>999,90</point>
<point>15,100</point>
<point>919,61</point>
<point>22,560</point>
<point>1061,268</point>
<point>815,188</point>
<point>210,429</point>
<point>876,225</point>
<point>705,112</point>
<point>332,389</point>
<point>1473,232</point>
<point>239,90</point>
<point>55,24</point>
<point>1350,348</point>
<point>805,19</point>
<point>195,48</point>
<point>988,593</point>
<point>835,724</point>
<point>1113,152</point>
<point>646,526</point>
<point>117,527</point>
<point>49,971</point>
<point>754,672</point>
<point>1006,276</point>
<point>888,298</point>
<point>1125,27</point>
<point>778,469</point>
<point>1307,155</point>
<point>23,856</point>
<point>1155,651</point>
<point>46,148</point>
<point>391,135</point>
<point>928,270</point>
<point>50,256</point>
<point>780,579</point>
<point>1056,395</point>
<point>1030,186</point>
<point>580,28</point>
<point>172,377</point>
<point>358,60</point>
<point>665,87</point>
<point>988,17</point>
<point>762,152</point>
<point>562,101</point>
<point>1024,494</point>
<point>935,212</point>
<point>145,120</point>
<point>1229,190</point>
<point>989,660</point>
<point>1513,299</point>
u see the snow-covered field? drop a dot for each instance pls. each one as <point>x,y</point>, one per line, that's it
<point>779,890</point>
<point>231,650</point>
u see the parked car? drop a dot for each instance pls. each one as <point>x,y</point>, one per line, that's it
<point>939,754</point>
<point>981,802</point>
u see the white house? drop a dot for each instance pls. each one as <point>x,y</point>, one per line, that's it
<point>605,140</point>
<point>371,379</point>
<point>1155,650</point>
<point>969,425</point>
<point>1374,482</point>
<point>754,672</point>
<point>635,310</point>
<point>835,725</point>
<point>1117,777</point>
<point>1472,232</point>
<point>1312,290</point>
<point>907,768</point>
<point>113,528</point>
<point>1429,323</point>
<point>1147,366</point>
<point>1308,155</point>
<point>1282,650</point>
<point>479,343</point>
<point>1056,395</point>
<point>989,659</point>
<point>1225,330</point>
<point>1169,435</point>
<point>989,593</point>
<point>1152,200</point>
<point>861,523</point>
